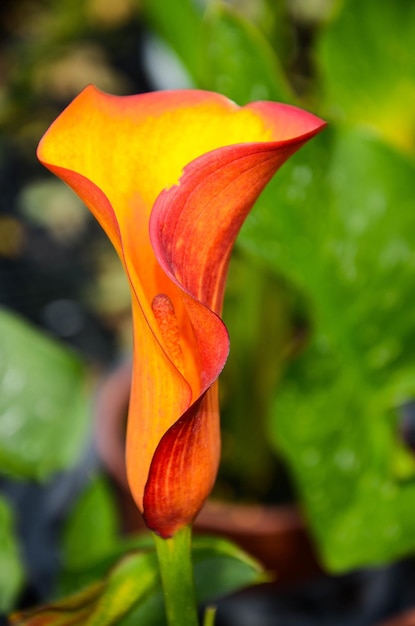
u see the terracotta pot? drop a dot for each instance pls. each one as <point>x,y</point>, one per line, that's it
<point>275,535</point>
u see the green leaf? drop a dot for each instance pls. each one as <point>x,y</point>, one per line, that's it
<point>131,591</point>
<point>220,568</point>
<point>91,530</point>
<point>178,22</point>
<point>238,60</point>
<point>222,50</point>
<point>206,547</point>
<point>71,611</point>
<point>338,222</point>
<point>44,413</point>
<point>11,570</point>
<point>367,67</point>
<point>255,299</point>
<point>102,603</point>
<point>130,582</point>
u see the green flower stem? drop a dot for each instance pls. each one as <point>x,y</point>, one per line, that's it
<point>209,618</point>
<point>176,570</point>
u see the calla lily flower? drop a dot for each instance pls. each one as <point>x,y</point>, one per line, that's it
<point>171,177</point>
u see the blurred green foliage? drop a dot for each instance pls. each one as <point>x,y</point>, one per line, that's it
<point>367,69</point>
<point>320,293</point>
<point>337,224</point>
<point>44,422</point>
<point>11,571</point>
<point>44,405</point>
<point>128,591</point>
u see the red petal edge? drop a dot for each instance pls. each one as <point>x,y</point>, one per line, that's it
<point>184,466</point>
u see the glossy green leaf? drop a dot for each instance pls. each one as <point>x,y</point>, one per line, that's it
<point>238,60</point>
<point>11,570</point>
<point>103,603</point>
<point>130,582</point>
<point>339,222</point>
<point>366,60</point>
<point>178,22</point>
<point>91,530</point>
<point>100,554</point>
<point>221,50</point>
<point>44,412</point>
<point>206,547</point>
<point>221,567</point>
<point>71,611</point>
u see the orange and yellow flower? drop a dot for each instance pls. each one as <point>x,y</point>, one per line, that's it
<point>171,177</point>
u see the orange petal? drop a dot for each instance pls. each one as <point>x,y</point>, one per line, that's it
<point>193,228</point>
<point>184,467</point>
<point>198,162</point>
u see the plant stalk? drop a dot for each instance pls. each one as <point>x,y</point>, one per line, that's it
<point>176,571</point>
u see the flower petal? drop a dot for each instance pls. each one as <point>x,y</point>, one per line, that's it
<point>184,467</point>
<point>200,161</point>
<point>193,227</point>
